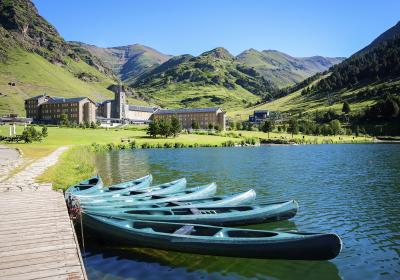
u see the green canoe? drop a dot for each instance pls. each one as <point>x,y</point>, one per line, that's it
<point>141,189</point>
<point>211,240</point>
<point>121,188</point>
<point>149,198</point>
<point>219,216</point>
<point>215,201</point>
<point>90,185</point>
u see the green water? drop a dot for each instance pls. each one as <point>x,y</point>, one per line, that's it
<point>352,190</point>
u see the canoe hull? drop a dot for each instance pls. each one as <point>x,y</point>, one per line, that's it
<point>247,216</point>
<point>138,184</point>
<point>312,247</point>
<point>88,186</point>
<point>195,193</point>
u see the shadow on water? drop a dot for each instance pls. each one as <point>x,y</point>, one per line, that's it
<point>106,261</point>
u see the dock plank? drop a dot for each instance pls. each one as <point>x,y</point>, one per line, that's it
<point>37,238</point>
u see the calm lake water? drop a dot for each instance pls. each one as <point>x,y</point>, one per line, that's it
<point>352,190</point>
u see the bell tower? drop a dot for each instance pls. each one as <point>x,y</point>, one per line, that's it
<point>120,102</point>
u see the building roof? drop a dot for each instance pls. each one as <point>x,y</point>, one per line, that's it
<point>36,97</point>
<point>65,100</point>
<point>191,110</point>
<point>142,108</point>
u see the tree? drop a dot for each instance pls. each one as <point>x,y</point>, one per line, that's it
<point>390,108</point>
<point>346,108</point>
<point>195,124</point>
<point>44,131</point>
<point>176,127</point>
<point>293,127</point>
<point>357,130</point>
<point>154,128</point>
<point>30,134</point>
<point>165,128</point>
<point>267,127</point>
<point>64,120</point>
<point>335,127</point>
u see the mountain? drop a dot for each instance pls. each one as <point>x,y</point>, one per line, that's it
<point>127,62</point>
<point>389,34</point>
<point>213,78</point>
<point>366,80</point>
<point>282,69</point>
<point>34,59</point>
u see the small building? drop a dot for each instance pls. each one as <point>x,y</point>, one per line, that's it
<point>203,116</point>
<point>139,114</point>
<point>47,109</point>
<point>259,116</point>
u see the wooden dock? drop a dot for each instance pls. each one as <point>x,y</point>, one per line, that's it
<point>37,238</point>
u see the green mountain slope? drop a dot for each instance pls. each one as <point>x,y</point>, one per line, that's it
<point>284,70</point>
<point>128,62</point>
<point>364,79</point>
<point>389,34</point>
<point>212,78</point>
<point>35,59</point>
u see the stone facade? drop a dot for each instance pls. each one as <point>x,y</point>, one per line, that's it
<point>203,116</point>
<point>49,109</point>
<point>118,109</point>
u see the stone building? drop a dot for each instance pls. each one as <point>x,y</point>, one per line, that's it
<point>32,106</point>
<point>118,110</point>
<point>47,109</point>
<point>203,116</point>
<point>135,113</point>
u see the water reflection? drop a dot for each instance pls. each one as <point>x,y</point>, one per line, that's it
<point>352,190</point>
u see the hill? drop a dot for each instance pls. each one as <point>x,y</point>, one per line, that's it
<point>389,34</point>
<point>212,78</point>
<point>282,69</point>
<point>369,81</point>
<point>35,59</point>
<point>127,62</point>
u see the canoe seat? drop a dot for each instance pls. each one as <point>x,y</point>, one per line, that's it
<point>195,211</point>
<point>208,212</point>
<point>185,230</point>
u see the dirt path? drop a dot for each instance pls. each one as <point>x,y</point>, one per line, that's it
<point>25,179</point>
<point>9,160</point>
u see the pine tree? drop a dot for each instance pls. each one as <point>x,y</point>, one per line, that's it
<point>176,127</point>
<point>346,108</point>
<point>267,127</point>
<point>154,128</point>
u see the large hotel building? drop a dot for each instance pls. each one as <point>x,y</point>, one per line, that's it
<point>203,116</point>
<point>47,109</point>
<point>44,108</point>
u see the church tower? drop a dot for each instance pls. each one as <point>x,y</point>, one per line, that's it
<point>120,103</point>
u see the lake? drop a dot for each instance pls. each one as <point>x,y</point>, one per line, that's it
<point>352,190</point>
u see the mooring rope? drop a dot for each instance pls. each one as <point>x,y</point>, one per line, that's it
<point>75,211</point>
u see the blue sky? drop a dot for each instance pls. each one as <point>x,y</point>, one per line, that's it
<point>299,28</point>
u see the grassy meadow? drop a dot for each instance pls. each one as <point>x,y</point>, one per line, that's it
<point>34,75</point>
<point>77,163</point>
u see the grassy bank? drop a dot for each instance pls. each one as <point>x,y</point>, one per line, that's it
<point>76,136</point>
<point>78,162</point>
<point>75,165</point>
